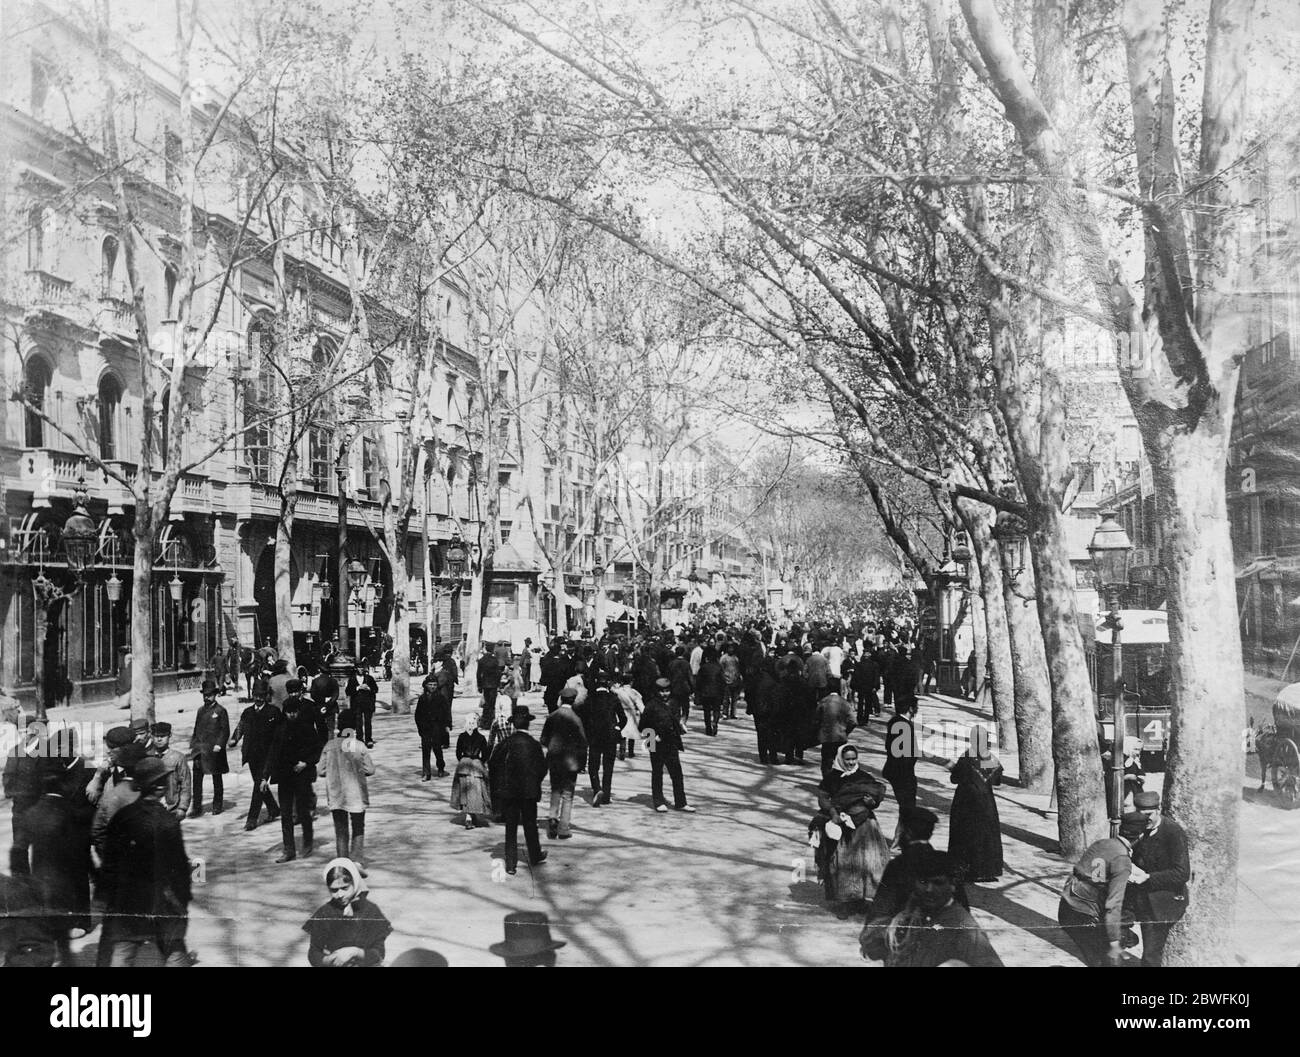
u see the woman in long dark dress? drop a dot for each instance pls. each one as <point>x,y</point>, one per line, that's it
<point>975,832</point>
<point>851,852</point>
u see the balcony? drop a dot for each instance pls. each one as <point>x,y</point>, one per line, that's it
<point>45,290</point>
<point>117,317</point>
<point>193,495</point>
<point>49,474</point>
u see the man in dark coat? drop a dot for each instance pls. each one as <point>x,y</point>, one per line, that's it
<point>1160,900</point>
<point>603,718</point>
<point>565,742</point>
<point>710,690</point>
<point>517,767</point>
<point>901,751</point>
<point>488,679</point>
<point>664,739</point>
<point>208,749</point>
<point>146,875</point>
<point>59,828</point>
<point>324,690</point>
<point>866,684</point>
<point>555,672</point>
<point>257,726</point>
<point>432,721</point>
<point>23,788</point>
<point>362,691</point>
<point>761,703</point>
<point>291,762</point>
<point>794,700</point>
<point>233,667</point>
<point>682,683</point>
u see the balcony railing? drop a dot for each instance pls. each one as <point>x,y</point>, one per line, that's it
<point>44,289</point>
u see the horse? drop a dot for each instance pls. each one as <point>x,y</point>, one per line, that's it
<point>1275,750</point>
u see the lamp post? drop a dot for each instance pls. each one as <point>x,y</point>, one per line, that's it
<point>78,537</point>
<point>1110,549</point>
<point>598,576</point>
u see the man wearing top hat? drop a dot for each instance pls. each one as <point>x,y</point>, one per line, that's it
<point>1161,899</point>
<point>176,797</point>
<point>517,766</point>
<point>208,749</point>
<point>528,940</point>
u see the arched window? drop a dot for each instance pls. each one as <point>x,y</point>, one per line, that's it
<point>36,377</point>
<point>324,419</point>
<point>108,267</point>
<point>169,281</point>
<point>36,238</point>
<point>259,398</point>
<point>164,424</point>
<point>110,411</point>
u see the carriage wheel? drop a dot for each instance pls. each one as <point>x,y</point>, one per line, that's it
<point>1286,778</point>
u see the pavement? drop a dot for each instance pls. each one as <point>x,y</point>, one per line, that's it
<point>731,885</point>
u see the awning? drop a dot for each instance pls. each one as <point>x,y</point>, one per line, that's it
<point>615,611</point>
<point>1255,565</point>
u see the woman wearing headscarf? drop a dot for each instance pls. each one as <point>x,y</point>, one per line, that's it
<point>974,830</point>
<point>345,764</point>
<point>349,930</point>
<point>851,852</point>
<point>469,791</point>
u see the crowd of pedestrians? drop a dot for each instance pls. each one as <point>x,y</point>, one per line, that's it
<point>114,831</point>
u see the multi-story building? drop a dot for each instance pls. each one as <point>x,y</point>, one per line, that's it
<point>70,345</point>
<point>1264,465</point>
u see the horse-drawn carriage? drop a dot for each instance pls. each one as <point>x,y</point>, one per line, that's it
<point>1279,748</point>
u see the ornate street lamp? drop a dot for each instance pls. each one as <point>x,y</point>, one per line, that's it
<point>113,588</point>
<point>357,577</point>
<point>79,534</point>
<point>1012,536</point>
<point>456,557</point>
<point>1110,550</point>
<point>177,588</point>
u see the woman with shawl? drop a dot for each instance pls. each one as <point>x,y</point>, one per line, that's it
<point>349,930</point>
<point>851,852</point>
<point>469,791</point>
<point>975,832</point>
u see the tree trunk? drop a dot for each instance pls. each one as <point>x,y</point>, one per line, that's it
<point>654,605</point>
<point>142,621</point>
<point>1032,688</point>
<point>401,688</point>
<point>283,561</point>
<point>1204,775</point>
<point>1079,781</point>
<point>41,625</point>
<point>561,611</point>
<point>997,667</point>
<point>1002,673</point>
<point>473,617</point>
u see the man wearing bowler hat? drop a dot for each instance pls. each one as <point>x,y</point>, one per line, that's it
<point>519,765</point>
<point>1092,901</point>
<point>1161,899</point>
<point>528,940</point>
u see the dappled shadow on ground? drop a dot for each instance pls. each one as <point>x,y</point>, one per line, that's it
<point>733,884</point>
